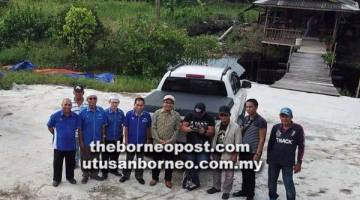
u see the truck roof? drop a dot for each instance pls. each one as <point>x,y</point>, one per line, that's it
<point>208,72</point>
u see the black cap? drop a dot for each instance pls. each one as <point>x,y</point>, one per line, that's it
<point>224,109</point>
<point>78,88</point>
<point>200,106</point>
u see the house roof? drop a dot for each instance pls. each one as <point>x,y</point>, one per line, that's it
<point>322,5</point>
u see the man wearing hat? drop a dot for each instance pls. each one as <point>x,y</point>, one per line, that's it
<point>78,103</point>
<point>93,129</point>
<point>165,126</point>
<point>62,125</point>
<point>199,128</point>
<point>285,138</point>
<point>227,132</point>
<point>114,133</point>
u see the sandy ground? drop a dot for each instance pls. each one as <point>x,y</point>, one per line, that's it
<point>331,167</point>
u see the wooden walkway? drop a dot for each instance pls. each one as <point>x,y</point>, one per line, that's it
<point>308,73</point>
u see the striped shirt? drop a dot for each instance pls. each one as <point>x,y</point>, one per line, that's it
<point>76,108</point>
<point>251,134</point>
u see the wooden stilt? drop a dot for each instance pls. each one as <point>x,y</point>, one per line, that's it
<point>358,90</point>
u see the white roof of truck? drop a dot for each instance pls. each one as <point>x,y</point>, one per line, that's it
<point>210,72</point>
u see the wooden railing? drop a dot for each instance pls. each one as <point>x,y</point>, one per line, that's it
<point>282,35</point>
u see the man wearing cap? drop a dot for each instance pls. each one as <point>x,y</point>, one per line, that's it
<point>226,133</point>
<point>114,133</point>
<point>93,129</point>
<point>165,126</point>
<point>137,131</point>
<point>63,125</point>
<point>78,104</point>
<point>253,129</point>
<point>199,128</point>
<point>285,138</point>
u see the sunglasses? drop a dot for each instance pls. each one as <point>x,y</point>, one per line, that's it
<point>224,115</point>
<point>92,98</point>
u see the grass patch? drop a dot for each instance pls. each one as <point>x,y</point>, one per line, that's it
<point>244,39</point>
<point>43,54</point>
<point>232,10</point>
<point>121,84</point>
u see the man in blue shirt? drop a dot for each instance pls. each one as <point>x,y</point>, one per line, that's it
<point>93,122</point>
<point>114,129</point>
<point>63,125</point>
<point>137,131</point>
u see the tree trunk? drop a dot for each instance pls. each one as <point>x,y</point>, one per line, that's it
<point>157,5</point>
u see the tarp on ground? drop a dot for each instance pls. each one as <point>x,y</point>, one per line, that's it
<point>104,77</point>
<point>56,71</point>
<point>23,65</point>
<point>1,75</point>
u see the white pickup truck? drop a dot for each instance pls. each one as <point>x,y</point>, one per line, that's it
<point>190,84</point>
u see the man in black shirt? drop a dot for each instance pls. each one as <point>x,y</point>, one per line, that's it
<point>285,138</point>
<point>199,128</point>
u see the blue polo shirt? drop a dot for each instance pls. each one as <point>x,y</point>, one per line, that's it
<point>137,126</point>
<point>65,128</point>
<point>91,124</point>
<point>115,124</point>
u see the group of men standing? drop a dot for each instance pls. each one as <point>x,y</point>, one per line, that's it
<point>81,122</point>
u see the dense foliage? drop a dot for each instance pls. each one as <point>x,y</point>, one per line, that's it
<point>115,36</point>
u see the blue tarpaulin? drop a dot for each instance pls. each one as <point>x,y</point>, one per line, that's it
<point>23,65</point>
<point>104,77</point>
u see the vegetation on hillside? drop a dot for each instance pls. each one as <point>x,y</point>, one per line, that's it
<point>116,36</point>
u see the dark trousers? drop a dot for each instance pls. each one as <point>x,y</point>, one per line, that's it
<point>248,176</point>
<point>77,151</point>
<point>287,174</point>
<point>87,155</point>
<point>196,158</point>
<point>162,156</point>
<point>110,156</point>
<point>58,164</point>
<point>129,157</point>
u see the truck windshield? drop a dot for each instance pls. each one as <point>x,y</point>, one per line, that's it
<point>195,86</point>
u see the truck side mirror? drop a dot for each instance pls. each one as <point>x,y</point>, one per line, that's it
<point>245,84</point>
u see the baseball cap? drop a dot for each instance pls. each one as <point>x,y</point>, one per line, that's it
<point>224,109</point>
<point>200,107</point>
<point>171,97</point>
<point>78,88</point>
<point>286,111</point>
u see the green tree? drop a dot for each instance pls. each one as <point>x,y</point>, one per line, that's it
<point>79,30</point>
<point>147,49</point>
<point>22,24</point>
